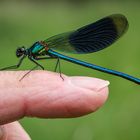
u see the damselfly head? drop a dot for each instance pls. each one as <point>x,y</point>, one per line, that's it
<point>20,51</point>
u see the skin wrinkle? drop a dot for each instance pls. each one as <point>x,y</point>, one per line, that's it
<point>59,88</point>
<point>63,97</point>
<point>70,97</point>
<point>19,97</point>
<point>70,112</point>
<point>81,101</point>
<point>56,99</point>
<point>51,101</point>
<point>30,98</point>
<point>24,101</point>
<point>81,88</point>
<point>45,86</point>
<point>64,109</point>
<point>17,114</point>
<point>92,107</point>
<point>39,93</point>
<point>25,106</point>
<point>95,102</point>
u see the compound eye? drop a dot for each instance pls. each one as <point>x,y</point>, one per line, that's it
<point>20,51</point>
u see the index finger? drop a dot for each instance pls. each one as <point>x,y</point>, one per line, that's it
<point>44,94</point>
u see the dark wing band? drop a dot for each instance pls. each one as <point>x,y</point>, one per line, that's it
<point>99,35</point>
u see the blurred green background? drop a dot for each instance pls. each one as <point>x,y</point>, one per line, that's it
<point>24,22</point>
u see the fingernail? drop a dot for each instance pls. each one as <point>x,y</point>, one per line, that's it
<point>103,85</point>
<point>1,132</point>
<point>90,83</point>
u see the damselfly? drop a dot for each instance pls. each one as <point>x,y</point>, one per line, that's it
<point>88,39</point>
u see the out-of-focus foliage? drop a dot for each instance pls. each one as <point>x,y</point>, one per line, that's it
<point>24,22</point>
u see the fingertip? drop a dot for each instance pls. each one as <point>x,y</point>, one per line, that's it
<point>97,87</point>
<point>94,91</point>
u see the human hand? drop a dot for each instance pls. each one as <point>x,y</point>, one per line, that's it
<point>45,95</point>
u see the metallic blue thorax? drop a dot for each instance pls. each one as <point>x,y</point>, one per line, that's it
<point>37,49</point>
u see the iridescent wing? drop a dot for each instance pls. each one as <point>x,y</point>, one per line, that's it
<point>90,38</point>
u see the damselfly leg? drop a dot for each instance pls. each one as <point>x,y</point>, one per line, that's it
<point>58,66</point>
<point>14,66</point>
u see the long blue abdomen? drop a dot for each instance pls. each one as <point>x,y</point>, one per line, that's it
<point>92,66</point>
